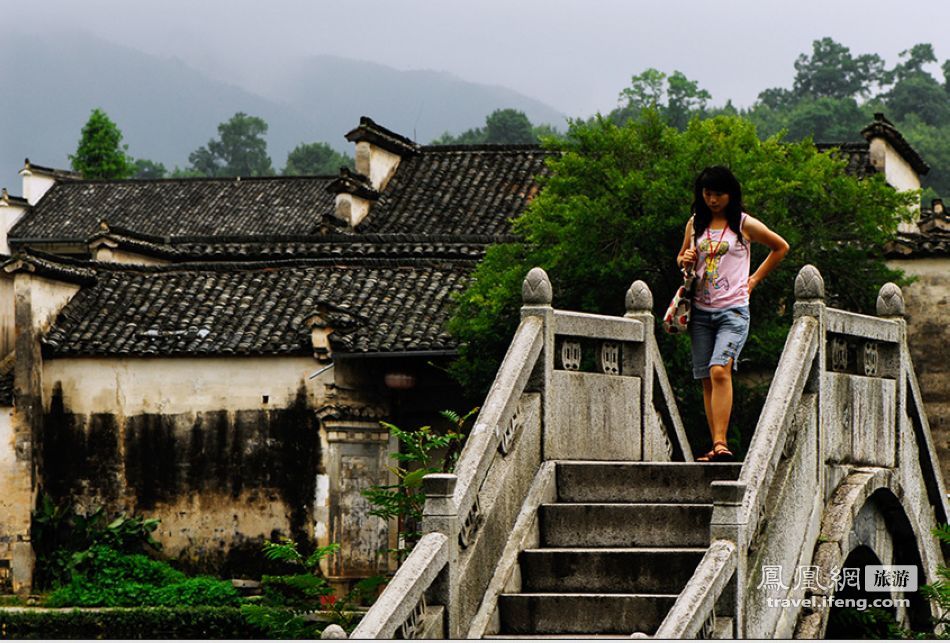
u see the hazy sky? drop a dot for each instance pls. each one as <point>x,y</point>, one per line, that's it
<point>575,55</point>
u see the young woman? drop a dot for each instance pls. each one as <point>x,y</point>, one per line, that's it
<point>720,257</point>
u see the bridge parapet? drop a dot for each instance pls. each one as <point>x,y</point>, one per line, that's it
<point>572,386</point>
<point>844,399</point>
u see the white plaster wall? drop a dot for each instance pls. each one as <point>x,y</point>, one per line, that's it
<point>35,185</point>
<point>15,495</point>
<point>6,314</point>
<point>167,385</point>
<point>897,172</point>
<point>48,298</point>
<point>351,209</point>
<point>9,215</point>
<point>117,255</point>
<point>382,166</point>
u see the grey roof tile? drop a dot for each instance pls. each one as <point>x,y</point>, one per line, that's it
<point>259,308</point>
<point>177,207</point>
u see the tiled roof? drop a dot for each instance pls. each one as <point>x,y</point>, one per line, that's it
<point>261,308</point>
<point>438,190</point>
<point>858,156</point>
<point>459,190</point>
<point>932,241</point>
<point>885,129</point>
<point>176,207</point>
<point>217,248</point>
<point>8,199</point>
<point>51,266</point>
<point>55,172</point>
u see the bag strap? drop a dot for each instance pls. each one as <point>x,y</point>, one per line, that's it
<point>688,271</point>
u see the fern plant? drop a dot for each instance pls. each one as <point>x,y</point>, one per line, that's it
<point>417,457</point>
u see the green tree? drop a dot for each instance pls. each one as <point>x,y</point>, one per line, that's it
<point>614,208</point>
<point>508,126</point>
<point>146,169</point>
<point>503,126</point>
<point>676,97</point>
<point>315,159</point>
<point>832,72</point>
<point>100,153</point>
<point>913,61</point>
<point>239,150</point>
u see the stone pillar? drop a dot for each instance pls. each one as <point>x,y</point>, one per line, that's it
<point>441,515</point>
<point>19,492</point>
<point>810,301</point>
<point>357,457</point>
<point>638,362</point>
<point>536,296</point>
<point>890,305</point>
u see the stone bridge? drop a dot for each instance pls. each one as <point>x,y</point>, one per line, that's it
<point>575,507</point>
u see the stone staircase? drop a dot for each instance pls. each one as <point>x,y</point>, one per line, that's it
<point>615,550</point>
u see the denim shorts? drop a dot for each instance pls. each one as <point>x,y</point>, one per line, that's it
<point>717,336</point>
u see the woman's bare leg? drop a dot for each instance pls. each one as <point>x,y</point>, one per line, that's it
<point>720,400</point>
<point>707,402</point>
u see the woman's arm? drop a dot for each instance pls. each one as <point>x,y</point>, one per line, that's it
<point>757,231</point>
<point>687,254</point>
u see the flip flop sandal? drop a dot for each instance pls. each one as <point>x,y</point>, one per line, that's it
<point>723,454</point>
<point>715,455</point>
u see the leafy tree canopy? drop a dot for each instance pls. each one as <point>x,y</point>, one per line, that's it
<point>239,150</point>
<point>675,97</point>
<point>614,209</point>
<point>825,102</point>
<point>315,159</point>
<point>146,169</point>
<point>503,126</point>
<point>832,72</point>
<point>100,153</point>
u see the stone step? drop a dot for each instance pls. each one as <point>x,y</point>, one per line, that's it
<point>571,636</point>
<point>635,570</point>
<point>567,613</point>
<point>589,481</point>
<point>625,524</point>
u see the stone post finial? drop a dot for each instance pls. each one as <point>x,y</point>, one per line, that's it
<point>333,631</point>
<point>890,301</point>
<point>809,284</point>
<point>639,298</point>
<point>536,289</point>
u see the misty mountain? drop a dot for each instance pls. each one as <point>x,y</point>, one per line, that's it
<point>418,104</point>
<point>167,109</point>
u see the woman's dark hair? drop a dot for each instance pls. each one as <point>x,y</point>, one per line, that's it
<point>717,178</point>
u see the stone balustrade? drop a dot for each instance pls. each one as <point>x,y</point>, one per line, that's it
<point>558,365</point>
<point>842,419</point>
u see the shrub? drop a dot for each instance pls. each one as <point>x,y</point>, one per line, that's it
<point>139,623</point>
<point>104,577</point>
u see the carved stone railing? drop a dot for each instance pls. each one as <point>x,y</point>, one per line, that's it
<point>401,611</point>
<point>559,362</point>
<point>694,614</point>
<point>844,396</point>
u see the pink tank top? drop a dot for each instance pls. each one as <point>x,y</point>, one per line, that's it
<point>722,269</point>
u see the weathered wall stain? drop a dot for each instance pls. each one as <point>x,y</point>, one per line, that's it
<point>221,481</point>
